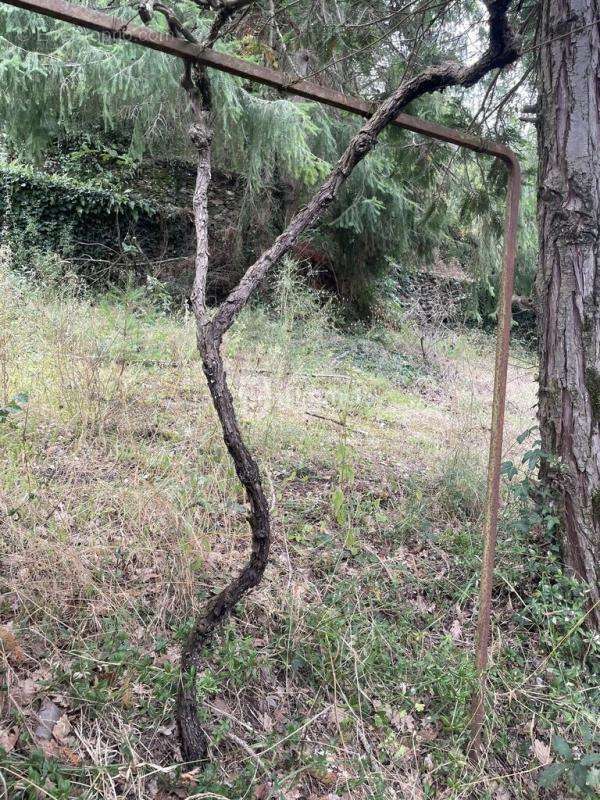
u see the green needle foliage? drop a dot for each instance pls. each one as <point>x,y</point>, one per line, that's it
<point>410,201</point>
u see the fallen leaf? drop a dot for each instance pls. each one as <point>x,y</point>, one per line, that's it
<point>12,648</point>
<point>48,716</point>
<point>456,630</point>
<point>542,752</point>
<point>62,729</point>
<point>8,739</point>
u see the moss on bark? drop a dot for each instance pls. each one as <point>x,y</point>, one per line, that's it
<point>592,384</point>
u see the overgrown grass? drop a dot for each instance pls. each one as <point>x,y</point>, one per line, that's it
<point>348,673</point>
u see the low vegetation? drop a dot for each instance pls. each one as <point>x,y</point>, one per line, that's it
<point>348,673</point>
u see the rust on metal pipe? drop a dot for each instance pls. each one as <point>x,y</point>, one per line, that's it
<point>492,503</point>
<point>119,29</point>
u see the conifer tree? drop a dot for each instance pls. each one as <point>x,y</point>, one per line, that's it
<point>567,283</point>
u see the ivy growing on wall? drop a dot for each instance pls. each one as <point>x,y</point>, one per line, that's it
<point>91,224</point>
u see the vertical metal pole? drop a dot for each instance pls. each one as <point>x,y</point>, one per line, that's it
<point>492,504</point>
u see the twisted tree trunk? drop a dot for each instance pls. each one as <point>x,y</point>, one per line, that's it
<point>568,283</point>
<point>192,737</point>
<point>193,740</point>
<point>503,48</point>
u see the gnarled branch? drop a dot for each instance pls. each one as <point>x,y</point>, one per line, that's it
<point>503,48</point>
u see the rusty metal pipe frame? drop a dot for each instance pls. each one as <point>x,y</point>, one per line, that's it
<point>116,28</point>
<point>492,503</point>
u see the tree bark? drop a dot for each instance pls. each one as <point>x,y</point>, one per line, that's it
<point>192,737</point>
<point>503,48</point>
<point>568,281</point>
<point>193,740</point>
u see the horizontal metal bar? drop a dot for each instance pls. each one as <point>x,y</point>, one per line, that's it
<point>119,29</point>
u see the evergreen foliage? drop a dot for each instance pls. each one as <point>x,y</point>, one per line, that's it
<point>408,202</point>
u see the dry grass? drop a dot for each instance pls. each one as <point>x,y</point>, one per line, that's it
<point>347,674</point>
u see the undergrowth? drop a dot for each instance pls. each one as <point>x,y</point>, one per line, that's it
<point>349,672</point>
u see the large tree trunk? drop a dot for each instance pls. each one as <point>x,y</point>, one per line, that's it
<point>568,283</point>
